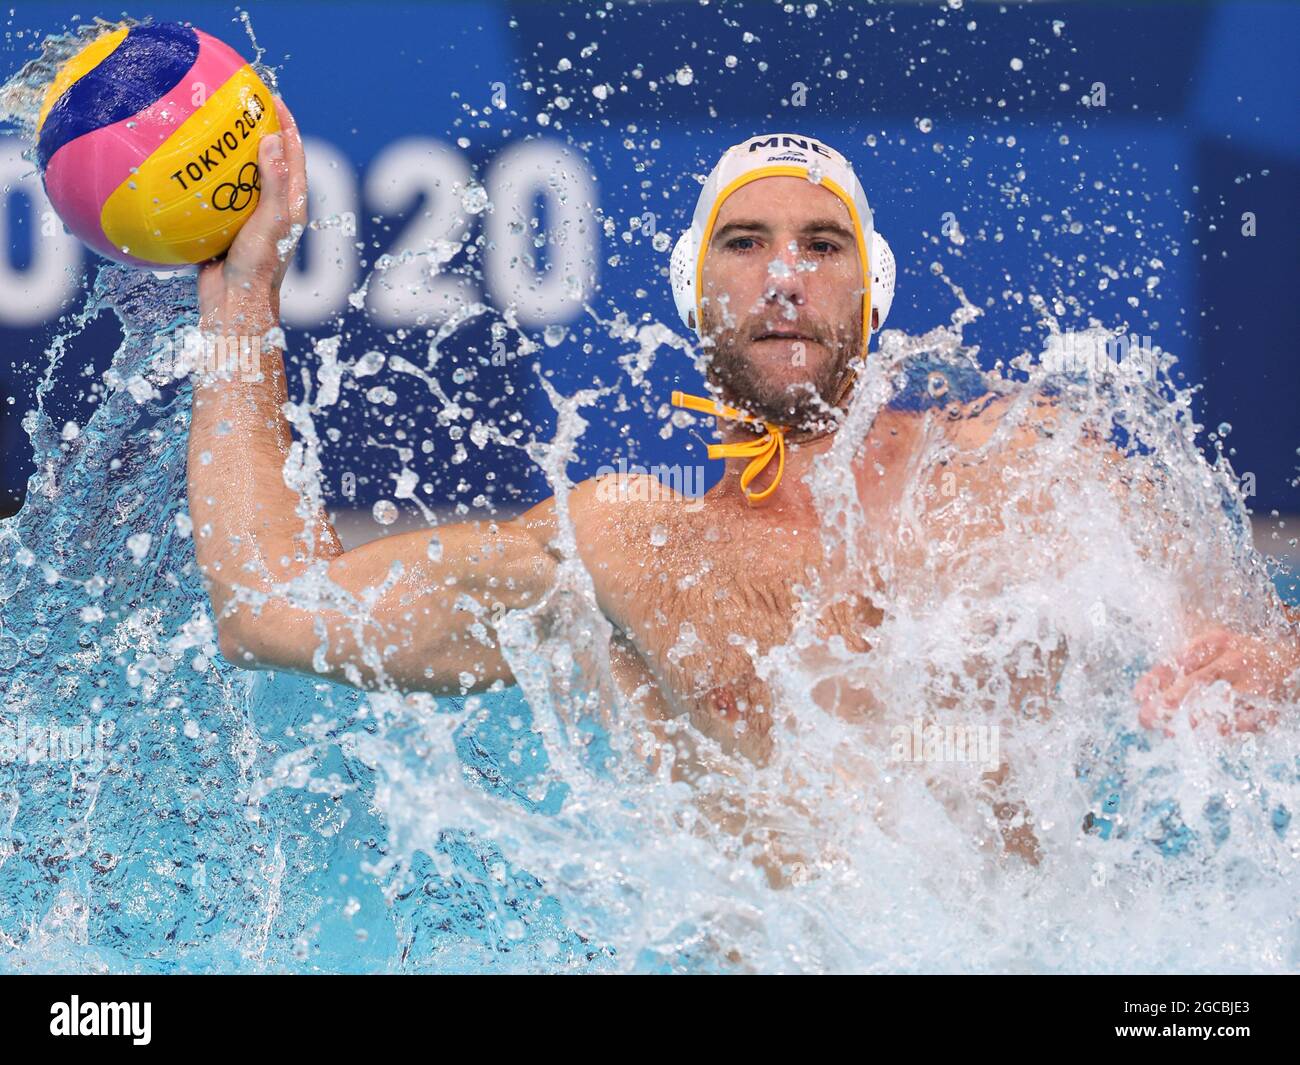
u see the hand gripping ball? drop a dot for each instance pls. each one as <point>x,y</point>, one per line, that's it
<point>147,144</point>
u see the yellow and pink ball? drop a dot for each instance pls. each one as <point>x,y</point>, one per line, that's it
<point>147,143</point>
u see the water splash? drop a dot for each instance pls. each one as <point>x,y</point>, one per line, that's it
<point>259,820</point>
<point>22,95</point>
<point>165,812</point>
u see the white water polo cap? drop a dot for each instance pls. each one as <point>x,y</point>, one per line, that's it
<point>781,155</point>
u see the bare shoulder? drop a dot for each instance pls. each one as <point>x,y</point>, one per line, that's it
<point>629,501</point>
<point>607,513</point>
<point>1012,422</point>
<point>611,517</point>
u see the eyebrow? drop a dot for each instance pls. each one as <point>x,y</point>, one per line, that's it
<point>817,225</point>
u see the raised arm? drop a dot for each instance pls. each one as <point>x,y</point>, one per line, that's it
<point>284,592</point>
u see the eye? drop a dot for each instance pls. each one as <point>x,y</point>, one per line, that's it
<point>823,247</point>
<point>741,244</point>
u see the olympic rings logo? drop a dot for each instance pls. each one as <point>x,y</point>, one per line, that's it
<point>238,194</point>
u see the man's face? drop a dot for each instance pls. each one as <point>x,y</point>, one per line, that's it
<point>782,298</point>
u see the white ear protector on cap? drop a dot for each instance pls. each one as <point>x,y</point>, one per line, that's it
<point>776,155</point>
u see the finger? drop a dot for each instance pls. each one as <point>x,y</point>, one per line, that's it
<point>1158,708</point>
<point>1220,669</point>
<point>1251,718</point>
<point>1202,650</point>
<point>1162,678</point>
<point>296,156</point>
<point>272,216</point>
<point>254,249</point>
<point>1147,691</point>
<point>1153,680</point>
<point>1151,715</point>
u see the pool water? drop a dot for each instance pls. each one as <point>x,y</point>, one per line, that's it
<point>161,811</point>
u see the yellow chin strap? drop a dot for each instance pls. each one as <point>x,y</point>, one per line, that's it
<point>759,450</point>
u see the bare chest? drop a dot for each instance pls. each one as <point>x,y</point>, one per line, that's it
<point>704,600</point>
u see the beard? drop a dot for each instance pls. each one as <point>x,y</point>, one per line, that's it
<point>798,402</point>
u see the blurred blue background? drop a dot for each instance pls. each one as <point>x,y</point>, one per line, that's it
<point>1127,208</point>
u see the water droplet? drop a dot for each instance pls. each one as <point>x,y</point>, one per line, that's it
<point>369,363</point>
<point>139,545</point>
<point>475,198</point>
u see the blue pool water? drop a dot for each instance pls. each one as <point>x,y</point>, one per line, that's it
<point>163,812</point>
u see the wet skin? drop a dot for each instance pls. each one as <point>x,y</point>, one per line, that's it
<point>782,308</point>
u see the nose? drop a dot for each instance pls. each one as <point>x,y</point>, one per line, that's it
<point>786,282</point>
